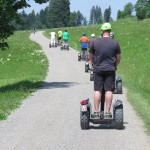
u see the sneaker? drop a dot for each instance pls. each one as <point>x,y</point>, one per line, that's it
<point>95,115</point>
<point>108,115</point>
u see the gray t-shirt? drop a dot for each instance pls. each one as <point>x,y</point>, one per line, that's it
<point>105,50</point>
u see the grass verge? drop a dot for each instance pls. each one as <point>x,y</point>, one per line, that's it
<point>23,68</point>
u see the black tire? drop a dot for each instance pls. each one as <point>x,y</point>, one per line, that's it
<point>49,45</point>
<point>91,77</point>
<point>86,68</point>
<point>119,87</point>
<point>84,121</point>
<point>118,116</point>
<point>79,58</point>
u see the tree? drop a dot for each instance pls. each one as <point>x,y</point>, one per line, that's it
<point>31,20</point>
<point>79,18</point>
<point>92,11</point>
<point>119,14</point>
<point>127,12</point>
<point>8,13</point>
<point>73,19</point>
<point>95,15</point>
<point>84,21</point>
<point>43,17</point>
<point>59,13</point>
<point>107,14</point>
<point>128,8</point>
<point>142,8</point>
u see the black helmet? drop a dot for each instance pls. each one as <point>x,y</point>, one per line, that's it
<point>84,34</point>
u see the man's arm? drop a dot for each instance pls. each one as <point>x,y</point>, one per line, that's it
<point>91,51</point>
<point>118,54</point>
<point>118,58</point>
<point>91,58</point>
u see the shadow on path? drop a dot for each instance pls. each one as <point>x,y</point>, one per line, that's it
<point>30,86</point>
<point>105,126</point>
<point>50,85</point>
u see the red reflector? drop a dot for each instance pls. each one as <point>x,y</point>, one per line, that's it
<point>83,102</point>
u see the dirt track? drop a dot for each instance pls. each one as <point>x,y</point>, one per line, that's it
<point>50,120</point>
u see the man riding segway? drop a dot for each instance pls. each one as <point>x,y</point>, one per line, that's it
<point>105,56</point>
<point>84,46</point>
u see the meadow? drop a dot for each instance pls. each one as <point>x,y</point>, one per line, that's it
<point>133,37</point>
<point>23,68</point>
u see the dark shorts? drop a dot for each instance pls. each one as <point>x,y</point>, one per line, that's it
<point>66,41</point>
<point>106,79</point>
<point>84,49</point>
<point>59,38</point>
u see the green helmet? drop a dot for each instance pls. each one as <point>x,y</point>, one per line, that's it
<point>106,26</point>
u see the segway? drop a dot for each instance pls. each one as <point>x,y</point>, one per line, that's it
<point>64,45</point>
<point>86,114</point>
<point>52,45</point>
<point>81,57</point>
<point>87,66</point>
<point>91,73</point>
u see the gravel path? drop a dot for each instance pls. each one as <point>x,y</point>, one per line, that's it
<point>50,120</point>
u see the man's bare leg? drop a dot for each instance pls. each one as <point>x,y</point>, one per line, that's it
<point>108,99</point>
<point>97,99</point>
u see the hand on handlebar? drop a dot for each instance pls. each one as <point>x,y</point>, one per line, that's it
<point>91,67</point>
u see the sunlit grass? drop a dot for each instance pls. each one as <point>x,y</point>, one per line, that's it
<point>23,67</point>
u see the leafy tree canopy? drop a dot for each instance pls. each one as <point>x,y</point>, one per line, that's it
<point>8,13</point>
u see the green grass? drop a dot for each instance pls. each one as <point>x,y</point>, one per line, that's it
<point>134,37</point>
<point>23,67</point>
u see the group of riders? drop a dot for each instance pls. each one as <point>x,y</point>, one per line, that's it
<point>86,43</point>
<point>62,37</point>
<point>104,56</point>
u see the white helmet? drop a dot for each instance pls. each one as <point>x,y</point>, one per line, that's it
<point>93,35</point>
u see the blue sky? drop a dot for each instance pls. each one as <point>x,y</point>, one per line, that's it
<point>84,6</point>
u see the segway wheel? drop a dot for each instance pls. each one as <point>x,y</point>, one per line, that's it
<point>119,87</point>
<point>118,115</point>
<point>86,67</point>
<point>67,48</point>
<point>91,76</point>
<point>79,58</point>
<point>84,121</point>
<point>49,45</point>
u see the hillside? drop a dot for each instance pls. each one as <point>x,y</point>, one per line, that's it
<point>133,37</point>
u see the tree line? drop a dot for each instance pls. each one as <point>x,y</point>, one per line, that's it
<point>141,8</point>
<point>54,16</point>
<point>58,14</point>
